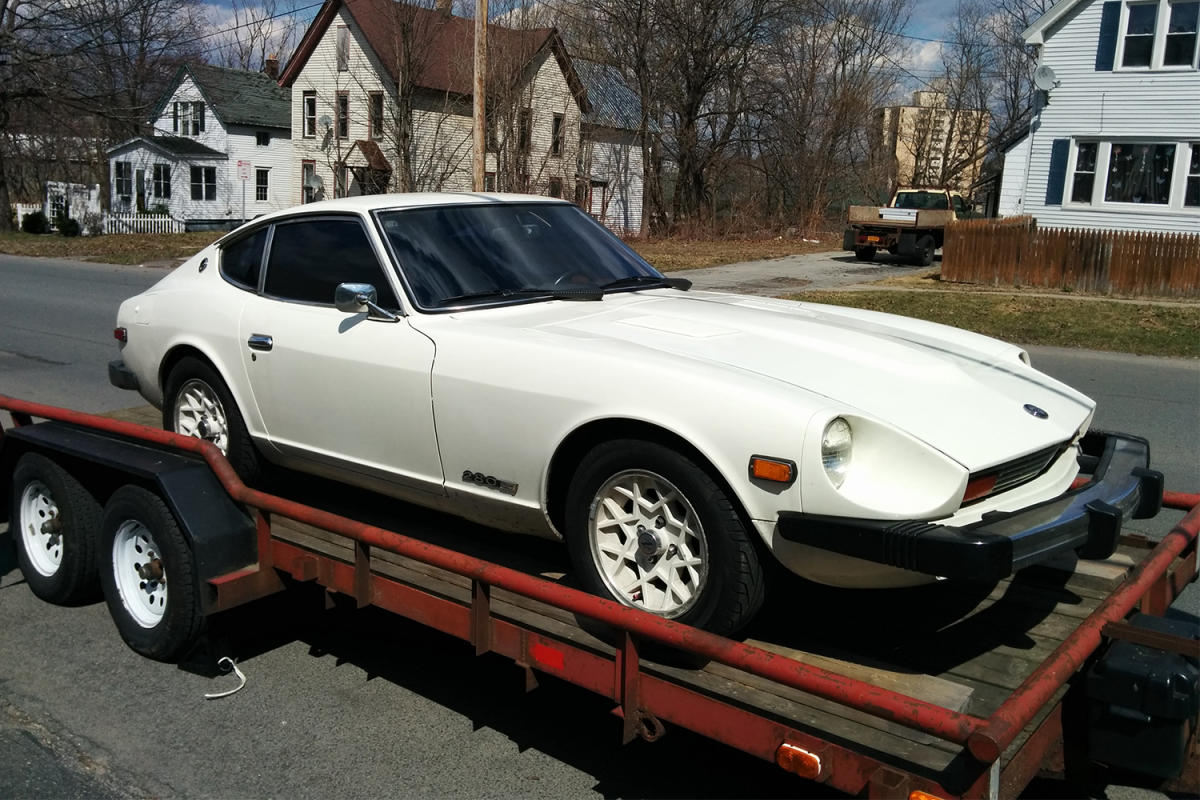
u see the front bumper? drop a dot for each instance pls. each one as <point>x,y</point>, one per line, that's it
<point>1086,520</point>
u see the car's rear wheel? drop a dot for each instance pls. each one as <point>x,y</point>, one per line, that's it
<point>649,528</point>
<point>199,404</point>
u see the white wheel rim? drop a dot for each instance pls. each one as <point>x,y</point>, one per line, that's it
<point>199,413</point>
<point>41,528</point>
<point>140,575</point>
<point>648,543</point>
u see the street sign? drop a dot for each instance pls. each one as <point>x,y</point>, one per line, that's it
<point>243,170</point>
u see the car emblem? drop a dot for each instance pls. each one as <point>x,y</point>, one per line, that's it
<point>1033,410</point>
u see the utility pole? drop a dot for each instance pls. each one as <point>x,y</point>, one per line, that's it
<point>480,110</point>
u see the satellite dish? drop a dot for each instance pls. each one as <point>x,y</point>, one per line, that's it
<point>325,120</point>
<point>1044,78</point>
<point>313,182</point>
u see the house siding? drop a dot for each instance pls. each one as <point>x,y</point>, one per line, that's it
<point>1135,106</point>
<point>615,156</point>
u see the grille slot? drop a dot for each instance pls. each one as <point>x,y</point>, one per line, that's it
<point>1018,471</point>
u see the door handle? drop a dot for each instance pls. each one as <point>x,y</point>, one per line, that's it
<point>260,341</point>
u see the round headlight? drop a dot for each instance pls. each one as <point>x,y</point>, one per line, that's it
<point>836,446</point>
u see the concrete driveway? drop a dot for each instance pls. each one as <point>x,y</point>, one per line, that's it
<point>798,273</point>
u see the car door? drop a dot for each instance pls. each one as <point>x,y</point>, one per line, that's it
<point>341,389</point>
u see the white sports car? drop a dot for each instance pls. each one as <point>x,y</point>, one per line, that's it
<point>506,359</point>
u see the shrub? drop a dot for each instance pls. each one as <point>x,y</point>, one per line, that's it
<point>93,223</point>
<point>35,223</point>
<point>69,227</point>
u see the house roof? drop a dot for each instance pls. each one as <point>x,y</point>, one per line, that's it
<point>371,156</point>
<point>237,96</point>
<point>171,146</point>
<point>447,42</point>
<point>613,104</point>
<point>1036,33</point>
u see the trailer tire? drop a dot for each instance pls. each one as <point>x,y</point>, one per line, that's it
<point>58,564</point>
<point>923,252</point>
<point>721,592</point>
<point>149,577</point>
<point>864,253</point>
<point>210,413</point>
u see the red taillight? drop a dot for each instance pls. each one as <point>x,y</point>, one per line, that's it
<point>120,334</point>
<point>979,487</point>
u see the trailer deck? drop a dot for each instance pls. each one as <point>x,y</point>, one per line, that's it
<point>885,693</point>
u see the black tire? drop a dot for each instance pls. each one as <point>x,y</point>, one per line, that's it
<point>729,591</point>
<point>864,253</point>
<point>923,254</point>
<point>193,373</point>
<point>155,603</point>
<point>59,563</point>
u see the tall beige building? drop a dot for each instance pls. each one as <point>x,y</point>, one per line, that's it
<point>932,142</point>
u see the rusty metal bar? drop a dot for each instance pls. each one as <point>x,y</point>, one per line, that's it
<point>481,617</point>
<point>908,711</point>
<point>989,741</point>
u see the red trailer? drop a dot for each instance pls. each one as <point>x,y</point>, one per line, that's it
<point>971,699</point>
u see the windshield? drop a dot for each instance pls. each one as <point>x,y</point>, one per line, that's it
<point>922,200</point>
<point>476,254</point>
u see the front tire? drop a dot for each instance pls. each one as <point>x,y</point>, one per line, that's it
<point>149,577</point>
<point>650,529</point>
<point>199,404</point>
<point>54,523</point>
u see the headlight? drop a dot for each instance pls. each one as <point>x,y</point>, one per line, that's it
<point>836,446</point>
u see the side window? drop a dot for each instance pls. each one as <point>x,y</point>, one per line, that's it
<point>309,258</point>
<point>242,260</point>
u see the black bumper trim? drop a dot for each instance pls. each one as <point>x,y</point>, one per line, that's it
<point>121,376</point>
<point>1086,520</point>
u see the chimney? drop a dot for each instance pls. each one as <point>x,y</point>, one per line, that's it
<point>271,66</point>
<point>446,7</point>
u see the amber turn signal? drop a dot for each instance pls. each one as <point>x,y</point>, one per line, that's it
<point>799,761</point>
<point>980,487</point>
<point>772,469</point>
<point>917,794</point>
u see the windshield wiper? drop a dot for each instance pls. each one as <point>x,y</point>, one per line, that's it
<point>649,281</point>
<point>553,293</point>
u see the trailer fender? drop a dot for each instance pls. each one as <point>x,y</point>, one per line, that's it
<point>220,532</point>
<point>848,238</point>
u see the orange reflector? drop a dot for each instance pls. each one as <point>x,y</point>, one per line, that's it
<point>980,487</point>
<point>772,469</point>
<point>801,762</point>
<point>917,794</point>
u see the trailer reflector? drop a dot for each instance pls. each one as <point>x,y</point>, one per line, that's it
<point>917,794</point>
<point>797,760</point>
<point>546,656</point>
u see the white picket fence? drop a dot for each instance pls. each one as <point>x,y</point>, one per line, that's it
<point>141,223</point>
<point>24,209</point>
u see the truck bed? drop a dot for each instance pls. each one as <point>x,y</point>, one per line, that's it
<point>885,217</point>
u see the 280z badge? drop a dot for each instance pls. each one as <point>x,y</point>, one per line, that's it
<point>489,482</point>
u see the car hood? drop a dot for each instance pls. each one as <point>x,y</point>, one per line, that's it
<point>962,393</point>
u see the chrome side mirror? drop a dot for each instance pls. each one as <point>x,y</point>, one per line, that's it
<point>354,298</point>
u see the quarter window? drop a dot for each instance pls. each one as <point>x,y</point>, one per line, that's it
<point>204,183</point>
<point>1085,173</point>
<point>241,261</point>
<point>310,258</point>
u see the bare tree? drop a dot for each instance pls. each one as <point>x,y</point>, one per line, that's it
<point>254,33</point>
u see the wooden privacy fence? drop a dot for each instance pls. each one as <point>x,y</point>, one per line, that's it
<point>141,223</point>
<point>1015,252</point>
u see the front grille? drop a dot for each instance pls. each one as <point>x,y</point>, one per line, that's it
<point>1018,471</point>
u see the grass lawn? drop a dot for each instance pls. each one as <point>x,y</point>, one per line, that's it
<point>1161,329</point>
<point>133,248</point>
<point>677,253</point>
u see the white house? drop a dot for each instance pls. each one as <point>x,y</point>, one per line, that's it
<point>1116,142</point>
<point>611,149</point>
<point>220,151</point>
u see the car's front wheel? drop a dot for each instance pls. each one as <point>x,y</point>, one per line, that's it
<point>199,404</point>
<point>651,529</point>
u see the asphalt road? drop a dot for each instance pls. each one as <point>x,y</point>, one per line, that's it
<point>360,704</point>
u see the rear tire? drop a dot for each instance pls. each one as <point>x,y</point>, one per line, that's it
<point>198,403</point>
<point>149,576</point>
<point>650,529</point>
<point>54,523</point>
<point>923,254</point>
<point>864,253</point>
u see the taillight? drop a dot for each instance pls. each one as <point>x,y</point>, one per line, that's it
<point>120,334</point>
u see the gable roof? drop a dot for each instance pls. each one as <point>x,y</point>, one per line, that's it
<point>447,44</point>
<point>612,103</point>
<point>236,96</point>
<point>172,146</point>
<point>1036,33</point>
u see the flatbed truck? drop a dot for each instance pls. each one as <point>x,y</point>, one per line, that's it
<point>920,700</point>
<point>913,225</point>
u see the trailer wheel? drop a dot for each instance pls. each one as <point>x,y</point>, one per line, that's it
<point>199,404</point>
<point>650,529</point>
<point>864,253</point>
<point>150,581</point>
<point>923,253</point>
<point>55,520</point>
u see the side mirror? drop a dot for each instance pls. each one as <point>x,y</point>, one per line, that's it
<point>354,298</point>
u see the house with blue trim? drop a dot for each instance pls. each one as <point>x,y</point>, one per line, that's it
<point>1115,141</point>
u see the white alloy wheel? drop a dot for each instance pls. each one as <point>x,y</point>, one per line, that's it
<point>41,528</point>
<point>140,577</point>
<point>648,543</point>
<point>199,413</point>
